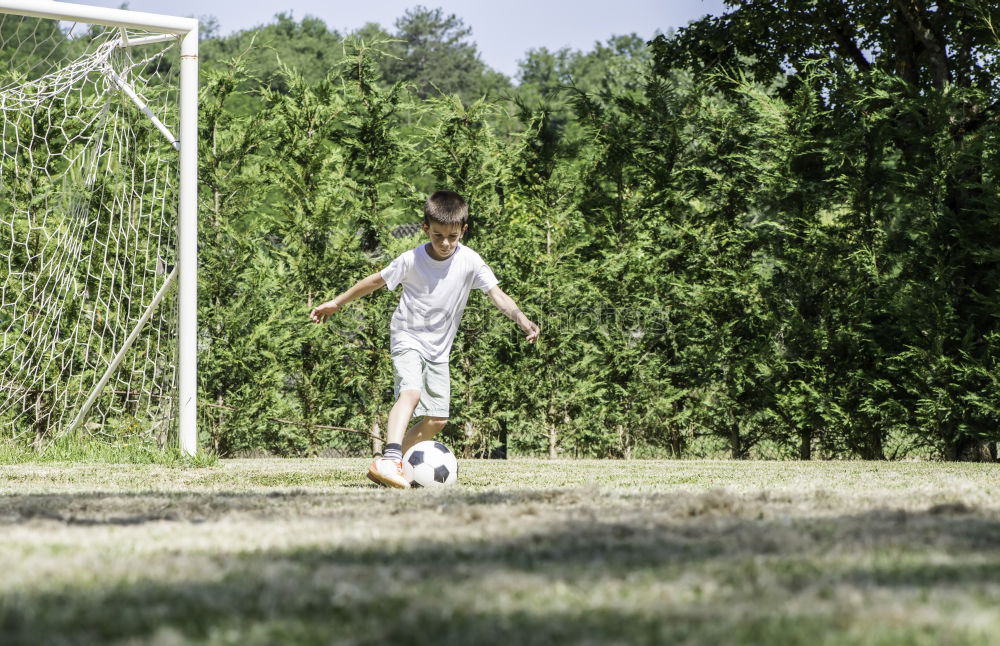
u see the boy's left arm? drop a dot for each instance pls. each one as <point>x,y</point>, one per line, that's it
<point>509,308</point>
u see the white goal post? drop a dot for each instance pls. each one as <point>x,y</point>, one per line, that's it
<point>156,29</point>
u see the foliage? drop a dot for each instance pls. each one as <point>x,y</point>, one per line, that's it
<point>771,233</point>
<point>432,51</point>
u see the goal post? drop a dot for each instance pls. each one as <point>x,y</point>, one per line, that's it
<point>128,30</point>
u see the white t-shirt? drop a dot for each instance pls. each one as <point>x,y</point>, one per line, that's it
<point>434,297</point>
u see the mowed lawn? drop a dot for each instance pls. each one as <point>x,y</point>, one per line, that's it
<point>522,552</point>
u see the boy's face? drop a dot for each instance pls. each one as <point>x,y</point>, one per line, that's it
<point>444,238</point>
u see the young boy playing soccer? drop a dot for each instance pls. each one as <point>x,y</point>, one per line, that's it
<point>436,278</point>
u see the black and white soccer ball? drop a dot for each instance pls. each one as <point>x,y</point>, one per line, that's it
<point>430,464</point>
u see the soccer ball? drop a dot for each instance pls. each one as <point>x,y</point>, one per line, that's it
<point>430,464</point>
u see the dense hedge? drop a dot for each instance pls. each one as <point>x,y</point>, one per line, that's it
<point>773,233</point>
<point>725,258</point>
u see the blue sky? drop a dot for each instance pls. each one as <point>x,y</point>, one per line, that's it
<point>503,31</point>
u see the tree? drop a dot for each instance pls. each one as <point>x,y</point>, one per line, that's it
<point>50,46</point>
<point>908,89</point>
<point>550,82</point>
<point>436,56</point>
<point>307,46</point>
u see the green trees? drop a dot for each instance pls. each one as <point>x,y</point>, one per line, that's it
<point>433,53</point>
<point>307,46</point>
<point>899,155</point>
<point>772,233</point>
<point>51,49</point>
<point>240,367</point>
<point>306,186</point>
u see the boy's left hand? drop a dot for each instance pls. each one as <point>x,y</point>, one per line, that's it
<point>530,330</point>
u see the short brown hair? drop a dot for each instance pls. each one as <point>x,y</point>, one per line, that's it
<point>446,207</point>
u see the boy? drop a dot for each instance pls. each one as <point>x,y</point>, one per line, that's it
<point>436,278</point>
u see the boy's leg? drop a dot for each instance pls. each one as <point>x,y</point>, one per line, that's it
<point>400,415</point>
<point>434,404</point>
<point>388,469</point>
<point>425,429</point>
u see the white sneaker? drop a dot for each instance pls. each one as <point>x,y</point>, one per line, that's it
<point>388,473</point>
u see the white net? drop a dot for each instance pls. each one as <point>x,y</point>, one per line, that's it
<point>87,226</point>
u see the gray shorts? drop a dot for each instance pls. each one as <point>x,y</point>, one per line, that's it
<point>413,372</point>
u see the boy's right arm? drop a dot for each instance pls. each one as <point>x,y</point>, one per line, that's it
<point>363,287</point>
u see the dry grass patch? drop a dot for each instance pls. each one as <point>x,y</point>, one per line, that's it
<point>305,551</point>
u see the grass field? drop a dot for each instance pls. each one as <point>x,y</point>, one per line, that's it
<point>529,552</point>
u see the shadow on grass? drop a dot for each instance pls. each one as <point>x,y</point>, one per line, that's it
<point>637,571</point>
<point>97,508</point>
<point>247,620</point>
<point>135,508</point>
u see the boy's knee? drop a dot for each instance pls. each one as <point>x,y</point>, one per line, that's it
<point>437,423</point>
<point>410,396</point>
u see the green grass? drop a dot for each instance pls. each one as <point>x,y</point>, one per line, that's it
<point>645,552</point>
<point>86,449</point>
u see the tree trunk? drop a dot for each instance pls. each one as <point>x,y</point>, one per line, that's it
<point>805,444</point>
<point>500,452</point>
<point>971,449</point>
<point>873,446</point>
<point>552,432</point>
<point>42,414</point>
<point>624,442</point>
<point>376,436</point>
<point>470,432</point>
<point>470,428</point>
<point>676,443</point>
<point>735,442</point>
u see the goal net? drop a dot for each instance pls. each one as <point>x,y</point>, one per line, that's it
<point>89,195</point>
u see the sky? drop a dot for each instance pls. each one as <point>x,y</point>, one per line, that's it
<point>502,30</point>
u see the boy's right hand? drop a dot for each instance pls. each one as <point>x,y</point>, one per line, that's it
<point>321,312</point>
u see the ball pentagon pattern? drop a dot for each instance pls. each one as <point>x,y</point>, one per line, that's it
<point>430,464</point>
